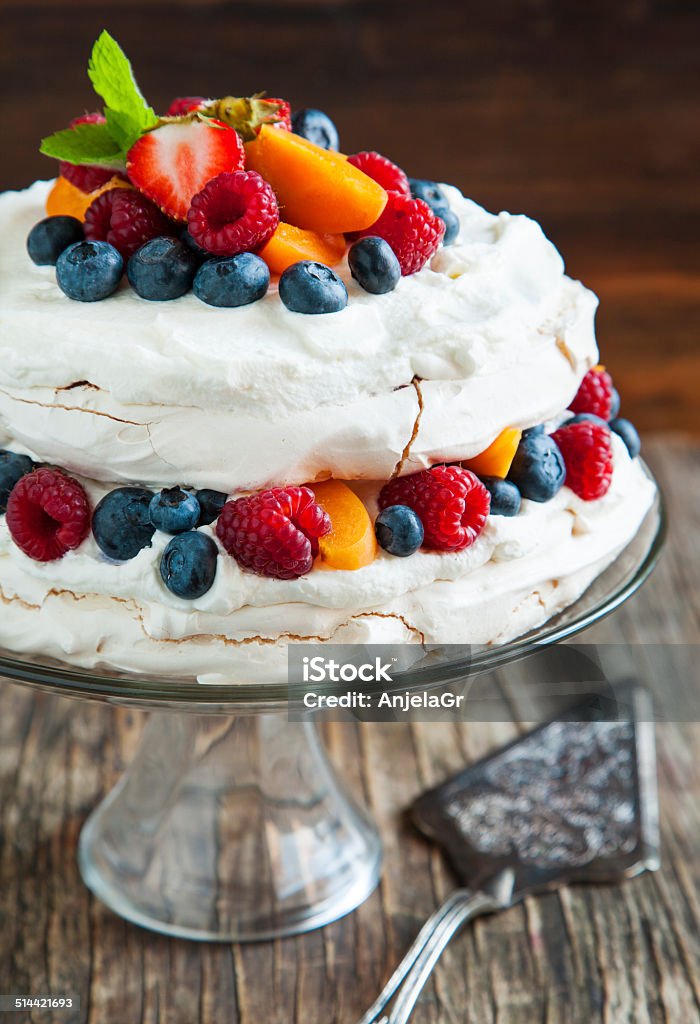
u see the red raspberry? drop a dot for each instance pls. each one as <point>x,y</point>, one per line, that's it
<point>595,394</point>
<point>451,502</point>
<point>87,177</point>
<point>283,115</point>
<point>182,105</point>
<point>411,229</point>
<point>47,514</point>
<point>588,458</point>
<point>274,533</point>
<point>382,170</point>
<point>235,212</point>
<point>126,219</point>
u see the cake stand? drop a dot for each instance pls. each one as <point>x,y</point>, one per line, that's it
<point>231,824</point>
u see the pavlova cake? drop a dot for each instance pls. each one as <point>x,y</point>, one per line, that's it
<point>255,392</point>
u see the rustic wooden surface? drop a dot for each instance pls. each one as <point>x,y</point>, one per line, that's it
<point>582,114</point>
<point>628,955</point>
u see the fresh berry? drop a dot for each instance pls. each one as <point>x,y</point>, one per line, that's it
<point>233,213</point>
<point>94,117</point>
<point>399,530</point>
<point>162,269</point>
<point>451,227</point>
<point>188,565</point>
<point>317,127</point>
<point>87,177</point>
<point>451,503</point>
<point>173,163</point>
<point>199,252</point>
<point>614,404</point>
<point>628,432</point>
<point>121,523</point>
<point>232,280</point>
<point>374,265</point>
<point>47,239</point>
<point>586,417</point>
<point>595,394</point>
<point>505,496</point>
<point>411,229</point>
<point>275,532</point>
<point>538,469</point>
<point>182,105</point>
<point>587,453</point>
<point>534,431</point>
<point>210,505</point>
<point>48,514</point>
<point>381,170</point>
<point>174,510</point>
<point>125,219</point>
<point>282,117</point>
<point>89,271</point>
<point>431,193</point>
<point>310,287</point>
<point>12,468</point>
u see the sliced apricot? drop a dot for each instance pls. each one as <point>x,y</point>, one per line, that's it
<point>497,458</point>
<point>290,244</point>
<point>351,544</point>
<point>66,200</point>
<point>316,188</point>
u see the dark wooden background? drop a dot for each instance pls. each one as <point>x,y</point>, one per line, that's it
<point>585,115</point>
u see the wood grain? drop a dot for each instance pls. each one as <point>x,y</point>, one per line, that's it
<point>583,115</point>
<point>627,955</point>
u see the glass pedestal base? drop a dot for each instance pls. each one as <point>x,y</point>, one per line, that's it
<point>231,829</point>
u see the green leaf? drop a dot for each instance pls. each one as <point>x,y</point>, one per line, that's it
<point>84,144</point>
<point>128,115</point>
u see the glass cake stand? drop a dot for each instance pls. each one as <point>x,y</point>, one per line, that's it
<point>231,823</point>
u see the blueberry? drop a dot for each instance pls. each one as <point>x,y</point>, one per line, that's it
<point>210,505</point>
<point>451,227</point>
<point>538,469</point>
<point>89,271</point>
<point>374,265</point>
<point>48,239</point>
<point>121,522</point>
<point>199,252</point>
<point>505,496</point>
<point>629,435</point>
<point>232,280</point>
<point>614,404</point>
<point>317,127</point>
<point>174,510</point>
<point>399,530</point>
<point>431,193</point>
<point>533,431</point>
<point>310,287</point>
<point>12,468</point>
<point>586,417</point>
<point>188,565</point>
<point>162,269</point>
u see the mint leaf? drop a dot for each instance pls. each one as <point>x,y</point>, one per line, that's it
<point>84,144</point>
<point>128,115</point>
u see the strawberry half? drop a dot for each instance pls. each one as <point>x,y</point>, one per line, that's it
<point>174,162</point>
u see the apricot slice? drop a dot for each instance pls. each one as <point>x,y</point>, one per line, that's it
<point>290,244</point>
<point>497,458</point>
<point>316,188</point>
<point>351,544</point>
<point>66,200</point>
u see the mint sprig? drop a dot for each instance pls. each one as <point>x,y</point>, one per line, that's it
<point>127,113</point>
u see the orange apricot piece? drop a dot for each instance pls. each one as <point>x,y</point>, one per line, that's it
<point>65,200</point>
<point>290,244</point>
<point>351,544</point>
<point>316,188</point>
<point>497,458</point>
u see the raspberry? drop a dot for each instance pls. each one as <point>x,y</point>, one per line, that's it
<point>182,105</point>
<point>450,501</point>
<point>595,394</point>
<point>411,229</point>
<point>587,453</point>
<point>382,170</point>
<point>125,219</point>
<point>87,177</point>
<point>235,212</point>
<point>283,114</point>
<point>47,514</point>
<point>274,533</point>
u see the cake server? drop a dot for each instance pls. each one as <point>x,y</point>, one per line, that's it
<point>574,800</point>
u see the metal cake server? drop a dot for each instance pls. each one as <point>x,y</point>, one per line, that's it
<point>574,800</point>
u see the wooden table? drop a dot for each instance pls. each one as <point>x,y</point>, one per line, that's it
<point>582,956</point>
